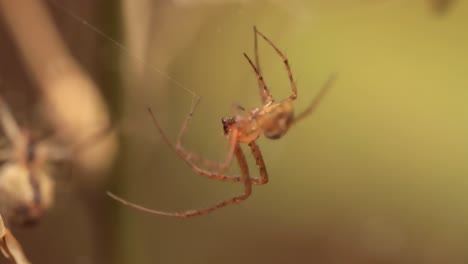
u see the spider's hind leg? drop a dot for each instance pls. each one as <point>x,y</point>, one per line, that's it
<point>313,105</point>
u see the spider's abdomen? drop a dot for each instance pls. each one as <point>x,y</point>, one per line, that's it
<point>279,126</point>
<point>276,119</point>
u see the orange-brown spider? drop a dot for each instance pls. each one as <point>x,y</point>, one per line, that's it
<point>272,119</point>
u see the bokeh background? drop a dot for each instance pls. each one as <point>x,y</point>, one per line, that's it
<point>377,174</point>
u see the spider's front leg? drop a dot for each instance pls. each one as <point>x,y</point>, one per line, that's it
<point>192,159</point>
<point>245,178</point>
<point>260,164</point>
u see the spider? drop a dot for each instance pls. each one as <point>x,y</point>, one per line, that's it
<point>272,119</point>
<point>26,187</point>
<point>27,163</point>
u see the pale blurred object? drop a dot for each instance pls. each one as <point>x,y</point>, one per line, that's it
<point>26,188</point>
<point>10,247</point>
<point>2,227</point>
<point>71,100</point>
<point>17,196</point>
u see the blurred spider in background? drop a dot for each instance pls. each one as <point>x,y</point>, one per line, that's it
<point>272,119</point>
<point>27,160</point>
<point>26,187</point>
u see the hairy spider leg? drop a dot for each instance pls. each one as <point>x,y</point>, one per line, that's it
<point>260,164</point>
<point>191,158</point>
<point>286,64</point>
<point>264,92</point>
<point>260,80</point>
<point>245,178</point>
<point>195,158</point>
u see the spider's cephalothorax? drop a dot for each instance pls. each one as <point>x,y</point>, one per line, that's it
<point>227,123</point>
<point>271,119</point>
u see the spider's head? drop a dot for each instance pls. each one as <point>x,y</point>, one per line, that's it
<point>227,123</point>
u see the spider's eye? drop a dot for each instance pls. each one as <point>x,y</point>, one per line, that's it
<point>227,122</point>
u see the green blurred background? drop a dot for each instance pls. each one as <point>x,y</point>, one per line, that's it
<point>378,174</point>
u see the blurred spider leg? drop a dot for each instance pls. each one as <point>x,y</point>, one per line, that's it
<point>264,92</point>
<point>10,247</point>
<point>313,105</point>
<point>268,99</point>
<point>59,153</point>
<point>9,124</point>
<point>191,213</point>
<point>189,157</point>
<point>5,152</point>
<point>286,63</point>
<point>6,250</point>
<point>237,109</point>
<point>260,164</point>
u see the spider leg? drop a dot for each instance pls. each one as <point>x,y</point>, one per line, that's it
<point>191,213</point>
<point>237,109</point>
<point>191,158</point>
<point>317,99</point>
<point>260,164</point>
<point>9,124</point>
<point>286,63</point>
<point>4,246</point>
<point>264,92</point>
<point>265,99</point>
<point>93,138</point>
